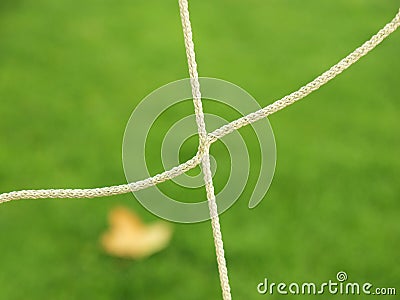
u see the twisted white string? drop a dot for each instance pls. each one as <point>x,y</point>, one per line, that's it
<point>205,140</point>
<point>216,134</point>
<point>204,146</point>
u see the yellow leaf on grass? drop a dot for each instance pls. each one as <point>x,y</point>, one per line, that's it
<point>129,237</point>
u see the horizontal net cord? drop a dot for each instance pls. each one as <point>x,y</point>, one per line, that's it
<point>103,191</point>
<point>216,134</point>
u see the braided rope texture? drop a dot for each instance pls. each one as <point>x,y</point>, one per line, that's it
<point>216,134</point>
<point>204,145</point>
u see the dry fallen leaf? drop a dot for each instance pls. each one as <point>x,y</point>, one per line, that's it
<point>130,238</point>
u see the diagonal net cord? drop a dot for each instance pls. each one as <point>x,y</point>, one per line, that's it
<point>205,140</point>
<point>216,134</point>
<point>204,146</point>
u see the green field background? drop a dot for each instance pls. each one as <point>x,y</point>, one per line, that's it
<point>71,73</point>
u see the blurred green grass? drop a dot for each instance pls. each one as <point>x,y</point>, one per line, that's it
<point>72,71</point>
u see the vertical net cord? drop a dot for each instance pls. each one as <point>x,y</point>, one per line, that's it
<point>278,105</point>
<point>204,146</point>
